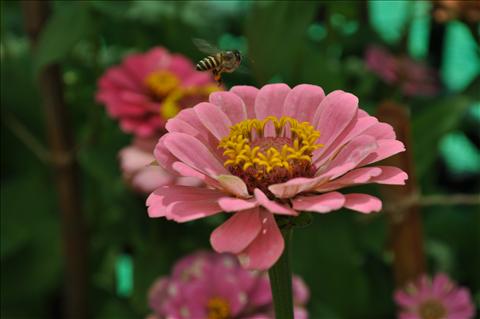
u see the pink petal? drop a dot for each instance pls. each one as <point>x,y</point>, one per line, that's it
<point>270,100</point>
<point>354,129</point>
<point>174,193</point>
<point>381,131</point>
<point>273,206</point>
<point>231,104</point>
<point>320,109</point>
<point>188,181</point>
<point>324,203</point>
<point>188,116</point>
<point>182,67</point>
<point>188,172</point>
<point>299,313</point>
<point>120,78</point>
<point>162,197</point>
<point>266,248</point>
<point>363,203</point>
<point>157,209</point>
<point>248,94</point>
<point>190,210</point>
<point>346,160</point>
<point>233,185</point>
<point>198,79</point>
<point>214,119</point>
<point>337,110</point>
<point>391,176</point>
<point>193,153</point>
<point>354,177</point>
<point>177,125</point>
<point>301,293</point>
<point>133,158</point>
<point>302,102</point>
<point>254,316</point>
<point>405,300</point>
<point>231,204</point>
<point>261,294</point>
<point>163,155</point>
<point>439,283</point>
<point>292,187</point>
<point>150,178</point>
<point>133,97</point>
<point>380,175</point>
<point>157,293</point>
<point>351,155</point>
<point>386,148</point>
<point>157,58</point>
<point>408,315</point>
<point>237,232</point>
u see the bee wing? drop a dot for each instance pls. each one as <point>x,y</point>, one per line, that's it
<point>245,66</point>
<point>205,46</point>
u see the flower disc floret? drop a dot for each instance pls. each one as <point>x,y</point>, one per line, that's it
<point>251,149</point>
<point>218,308</point>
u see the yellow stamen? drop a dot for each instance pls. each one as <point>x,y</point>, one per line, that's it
<point>161,83</point>
<point>432,309</point>
<point>218,308</point>
<point>299,145</point>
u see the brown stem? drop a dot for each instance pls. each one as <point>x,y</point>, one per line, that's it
<point>433,200</point>
<point>405,224</point>
<point>65,168</point>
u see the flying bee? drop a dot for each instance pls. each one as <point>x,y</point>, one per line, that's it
<point>218,61</point>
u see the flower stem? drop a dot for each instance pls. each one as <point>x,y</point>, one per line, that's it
<point>281,280</point>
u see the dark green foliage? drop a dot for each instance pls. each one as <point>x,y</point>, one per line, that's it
<point>343,257</point>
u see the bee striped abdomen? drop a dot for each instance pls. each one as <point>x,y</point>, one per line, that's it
<point>208,63</point>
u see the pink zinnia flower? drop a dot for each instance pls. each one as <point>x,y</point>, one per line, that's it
<point>439,298</point>
<point>271,151</point>
<point>149,88</point>
<point>141,171</point>
<point>215,286</point>
<point>412,77</point>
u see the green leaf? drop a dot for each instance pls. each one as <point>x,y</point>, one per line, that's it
<point>70,22</point>
<point>278,53</point>
<point>30,245</point>
<point>440,120</point>
<point>326,256</point>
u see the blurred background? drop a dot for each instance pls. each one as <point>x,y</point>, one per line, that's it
<point>66,210</point>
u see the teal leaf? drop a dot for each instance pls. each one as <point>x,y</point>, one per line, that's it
<point>457,143</point>
<point>389,18</point>
<point>461,61</point>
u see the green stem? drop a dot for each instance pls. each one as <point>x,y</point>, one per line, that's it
<point>281,280</point>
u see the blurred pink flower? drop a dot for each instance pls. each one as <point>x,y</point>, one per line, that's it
<point>141,171</point>
<point>215,286</point>
<point>147,89</point>
<point>439,298</point>
<point>275,150</point>
<point>412,77</point>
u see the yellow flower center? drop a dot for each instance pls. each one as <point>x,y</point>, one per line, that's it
<point>186,97</point>
<point>247,147</point>
<point>161,83</point>
<point>432,309</point>
<point>218,308</point>
<point>268,151</point>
